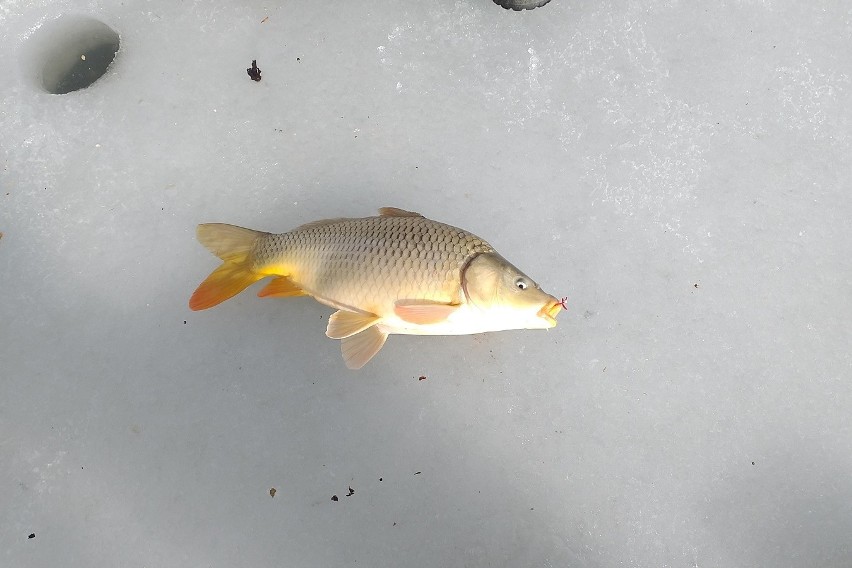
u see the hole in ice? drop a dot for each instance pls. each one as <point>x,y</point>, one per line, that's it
<point>521,4</point>
<point>72,52</point>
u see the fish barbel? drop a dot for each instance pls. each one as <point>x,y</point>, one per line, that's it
<point>396,273</point>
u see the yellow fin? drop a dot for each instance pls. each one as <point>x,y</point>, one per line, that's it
<point>396,212</point>
<point>281,287</point>
<point>228,242</point>
<point>423,313</point>
<point>344,324</point>
<point>359,348</point>
<point>233,245</point>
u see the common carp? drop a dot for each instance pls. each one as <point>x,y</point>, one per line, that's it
<point>398,272</point>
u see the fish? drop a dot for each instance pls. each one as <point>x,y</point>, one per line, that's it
<point>395,273</point>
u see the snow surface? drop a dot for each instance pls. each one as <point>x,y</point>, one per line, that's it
<point>679,170</point>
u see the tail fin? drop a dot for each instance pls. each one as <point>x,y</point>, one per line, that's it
<point>233,245</point>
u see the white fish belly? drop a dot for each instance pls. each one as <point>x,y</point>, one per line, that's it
<point>464,321</point>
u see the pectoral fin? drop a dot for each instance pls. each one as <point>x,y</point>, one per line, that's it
<point>423,313</point>
<point>343,324</point>
<point>281,287</point>
<point>359,348</point>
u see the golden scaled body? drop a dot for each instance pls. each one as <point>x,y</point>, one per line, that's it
<point>368,264</point>
<point>398,272</point>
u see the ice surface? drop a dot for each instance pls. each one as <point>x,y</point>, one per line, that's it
<point>679,170</point>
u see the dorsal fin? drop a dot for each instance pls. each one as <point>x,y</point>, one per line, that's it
<point>396,212</point>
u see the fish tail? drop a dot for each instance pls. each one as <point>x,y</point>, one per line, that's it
<point>234,246</point>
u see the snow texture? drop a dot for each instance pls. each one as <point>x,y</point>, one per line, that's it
<point>680,170</point>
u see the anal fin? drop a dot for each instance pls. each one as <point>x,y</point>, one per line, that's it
<point>359,348</point>
<point>343,323</point>
<point>281,287</point>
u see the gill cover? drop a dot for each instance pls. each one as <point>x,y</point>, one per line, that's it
<point>489,280</point>
<point>507,295</point>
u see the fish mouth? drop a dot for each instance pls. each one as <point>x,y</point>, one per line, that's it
<point>550,310</point>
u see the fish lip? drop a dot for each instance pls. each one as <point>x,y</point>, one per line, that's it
<point>550,310</point>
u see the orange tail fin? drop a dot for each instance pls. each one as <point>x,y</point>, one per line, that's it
<point>233,245</point>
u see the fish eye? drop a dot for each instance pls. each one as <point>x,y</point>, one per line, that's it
<point>521,284</point>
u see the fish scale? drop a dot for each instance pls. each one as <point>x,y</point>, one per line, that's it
<point>367,262</point>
